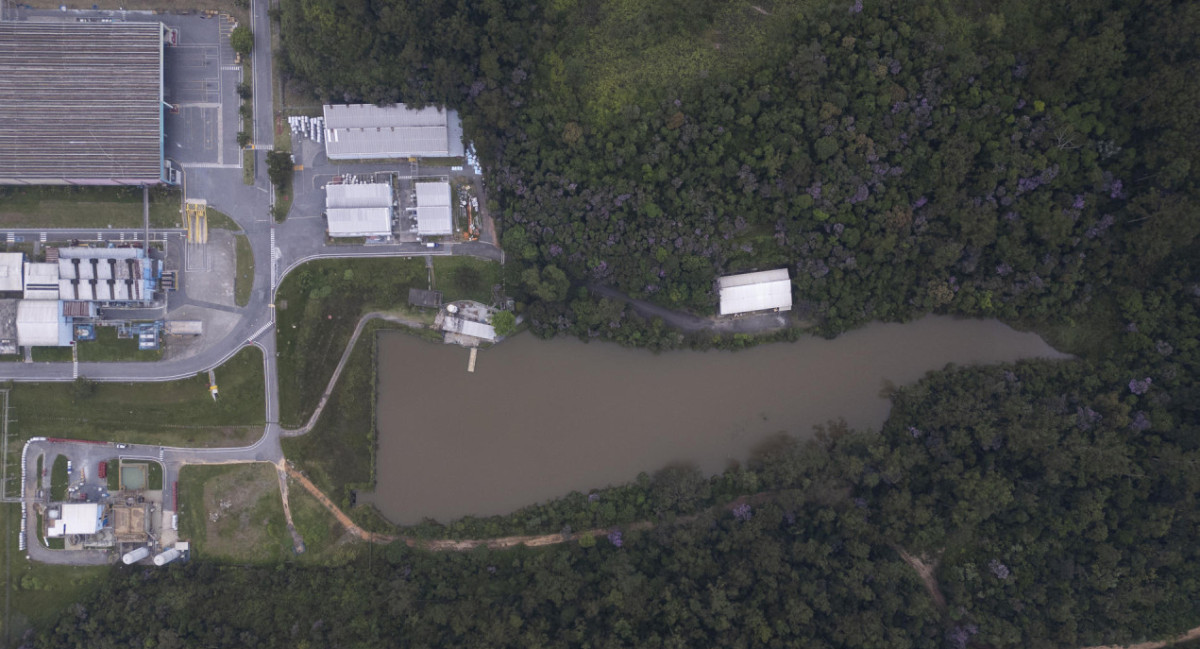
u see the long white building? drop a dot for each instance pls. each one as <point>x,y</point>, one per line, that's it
<point>768,290</point>
<point>365,132</point>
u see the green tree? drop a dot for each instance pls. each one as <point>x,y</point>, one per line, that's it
<point>504,322</point>
<point>241,40</point>
<point>243,138</point>
<point>279,168</point>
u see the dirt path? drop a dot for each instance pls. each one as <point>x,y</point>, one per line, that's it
<point>337,371</point>
<point>925,570</point>
<point>337,512</point>
<point>445,544</point>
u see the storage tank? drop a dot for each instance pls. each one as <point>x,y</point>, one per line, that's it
<point>166,557</point>
<point>134,556</point>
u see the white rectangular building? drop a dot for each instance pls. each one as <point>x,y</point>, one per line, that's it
<point>365,132</point>
<point>41,281</point>
<point>40,324</point>
<point>481,330</point>
<point>12,267</point>
<point>77,518</point>
<point>434,216</point>
<point>768,290</point>
<point>359,210</point>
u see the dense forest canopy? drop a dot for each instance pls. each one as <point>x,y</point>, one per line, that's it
<point>1028,160</point>
<point>897,157</point>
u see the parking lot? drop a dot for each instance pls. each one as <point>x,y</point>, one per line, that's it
<point>201,86</point>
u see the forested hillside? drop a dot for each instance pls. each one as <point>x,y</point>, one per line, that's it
<point>898,157</point>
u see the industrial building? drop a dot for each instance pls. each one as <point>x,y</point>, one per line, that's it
<point>40,323</point>
<point>67,293</point>
<point>82,103</point>
<point>434,217</point>
<point>80,519</point>
<point>12,280</point>
<point>359,210</point>
<point>122,275</point>
<point>768,290</point>
<point>459,325</point>
<point>41,281</point>
<point>365,132</point>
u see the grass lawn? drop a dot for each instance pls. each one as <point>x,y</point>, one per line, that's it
<point>154,478</point>
<point>243,282</point>
<point>107,347</point>
<point>59,479</point>
<point>249,525</point>
<point>319,304</point>
<point>248,166</point>
<point>465,278</point>
<point>220,221</point>
<point>326,542</point>
<point>86,207</point>
<point>35,594</point>
<point>171,413</point>
<point>52,354</point>
<point>317,307</point>
<point>339,453</point>
<point>113,475</point>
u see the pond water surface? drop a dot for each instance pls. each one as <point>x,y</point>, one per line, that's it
<point>539,419</point>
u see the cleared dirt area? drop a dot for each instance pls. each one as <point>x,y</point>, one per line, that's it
<point>239,509</point>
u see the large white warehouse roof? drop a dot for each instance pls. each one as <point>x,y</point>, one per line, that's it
<point>768,289</point>
<point>363,131</point>
<point>77,518</point>
<point>359,210</point>
<point>40,324</point>
<point>362,195</point>
<point>359,221</point>
<point>433,193</point>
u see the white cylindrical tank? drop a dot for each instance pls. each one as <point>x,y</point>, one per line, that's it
<point>133,556</point>
<point>452,308</point>
<point>166,557</point>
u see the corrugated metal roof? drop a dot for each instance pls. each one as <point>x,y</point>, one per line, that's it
<point>12,266</point>
<point>768,289</point>
<point>469,328</point>
<point>363,131</point>
<point>38,324</point>
<point>359,221</point>
<point>434,221</point>
<point>82,103</point>
<point>368,195</point>
<point>432,194</point>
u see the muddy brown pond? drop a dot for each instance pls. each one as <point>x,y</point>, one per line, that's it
<point>539,419</point>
